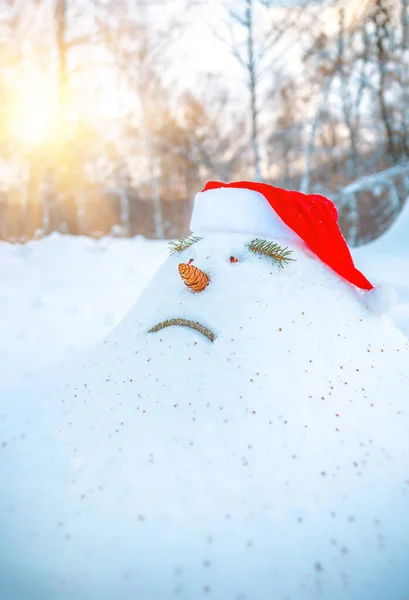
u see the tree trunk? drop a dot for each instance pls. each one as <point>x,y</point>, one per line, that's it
<point>60,17</point>
<point>353,219</point>
<point>147,135</point>
<point>381,21</point>
<point>346,98</point>
<point>124,202</point>
<point>252,71</point>
<point>157,204</point>
<point>53,183</point>
<point>309,151</point>
<point>405,75</point>
<point>405,23</point>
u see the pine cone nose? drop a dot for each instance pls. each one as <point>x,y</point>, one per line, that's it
<point>194,278</point>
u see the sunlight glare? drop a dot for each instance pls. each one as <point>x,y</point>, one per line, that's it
<point>34,114</point>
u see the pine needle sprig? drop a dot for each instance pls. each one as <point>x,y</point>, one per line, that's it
<point>182,244</point>
<point>272,250</point>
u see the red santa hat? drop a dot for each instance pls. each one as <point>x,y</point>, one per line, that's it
<point>264,210</point>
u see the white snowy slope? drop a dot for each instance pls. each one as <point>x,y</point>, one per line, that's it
<point>386,260</point>
<point>60,295</point>
<point>270,464</point>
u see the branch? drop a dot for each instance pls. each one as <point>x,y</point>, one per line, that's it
<point>184,323</point>
<point>272,250</point>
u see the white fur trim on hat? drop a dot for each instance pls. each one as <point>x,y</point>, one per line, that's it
<point>237,210</point>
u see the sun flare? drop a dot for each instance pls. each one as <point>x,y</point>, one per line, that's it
<point>34,114</point>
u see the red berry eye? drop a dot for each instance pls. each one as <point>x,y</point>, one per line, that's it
<point>234,259</point>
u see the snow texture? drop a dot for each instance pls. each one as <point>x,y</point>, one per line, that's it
<point>60,295</point>
<point>381,299</point>
<point>269,464</point>
<point>386,260</point>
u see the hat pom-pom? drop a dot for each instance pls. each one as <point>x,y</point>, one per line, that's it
<point>380,299</point>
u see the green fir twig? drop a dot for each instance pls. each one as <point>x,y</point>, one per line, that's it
<point>280,255</point>
<point>182,244</point>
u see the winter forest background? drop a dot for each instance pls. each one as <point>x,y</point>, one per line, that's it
<point>114,113</point>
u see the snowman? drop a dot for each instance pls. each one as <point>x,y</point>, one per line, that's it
<point>242,434</point>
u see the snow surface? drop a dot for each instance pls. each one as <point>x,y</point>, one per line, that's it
<point>270,464</point>
<point>60,295</point>
<point>386,260</point>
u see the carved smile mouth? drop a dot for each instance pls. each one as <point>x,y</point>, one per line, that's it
<point>184,323</point>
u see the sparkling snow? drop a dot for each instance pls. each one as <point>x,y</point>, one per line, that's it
<point>270,464</point>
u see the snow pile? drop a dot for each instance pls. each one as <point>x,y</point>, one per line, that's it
<point>62,294</point>
<point>386,260</point>
<point>271,463</point>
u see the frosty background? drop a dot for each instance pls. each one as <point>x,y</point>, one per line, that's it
<point>114,112</point>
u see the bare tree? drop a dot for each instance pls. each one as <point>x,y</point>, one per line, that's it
<point>216,136</point>
<point>249,60</point>
<point>346,96</point>
<point>381,19</point>
<point>311,135</point>
<point>253,76</point>
<point>284,145</point>
<point>323,57</point>
<point>404,59</point>
<point>139,54</point>
<point>256,56</point>
<point>60,17</point>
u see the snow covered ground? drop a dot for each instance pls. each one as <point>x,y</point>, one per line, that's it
<point>131,448</point>
<point>270,464</point>
<point>387,260</point>
<point>62,294</point>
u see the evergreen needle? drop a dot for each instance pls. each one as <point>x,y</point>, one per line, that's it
<point>182,244</point>
<point>272,250</point>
